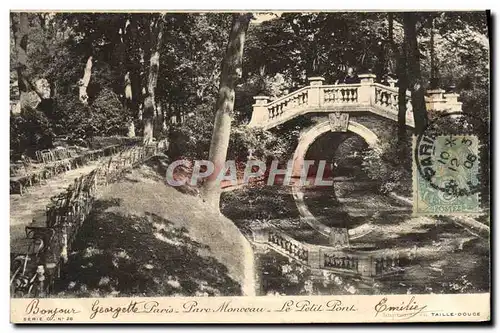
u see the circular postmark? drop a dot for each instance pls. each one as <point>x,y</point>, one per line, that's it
<point>447,154</point>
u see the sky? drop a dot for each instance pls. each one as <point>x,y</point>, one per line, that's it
<point>265,16</point>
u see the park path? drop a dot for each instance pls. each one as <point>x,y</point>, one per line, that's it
<point>29,209</point>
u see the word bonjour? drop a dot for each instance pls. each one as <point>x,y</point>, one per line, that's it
<point>253,169</point>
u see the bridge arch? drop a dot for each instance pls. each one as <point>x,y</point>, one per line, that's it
<point>339,237</point>
<point>307,138</point>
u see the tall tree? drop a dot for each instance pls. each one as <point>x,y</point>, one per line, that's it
<point>413,72</point>
<point>20,27</point>
<point>84,81</point>
<point>132,78</point>
<point>154,65</point>
<point>400,54</point>
<point>230,72</point>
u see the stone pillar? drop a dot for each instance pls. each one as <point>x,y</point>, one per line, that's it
<point>451,102</point>
<point>314,258</point>
<point>315,93</point>
<point>260,114</point>
<point>435,100</point>
<point>366,266</point>
<point>366,92</point>
<point>392,82</point>
<point>260,235</point>
<point>339,237</point>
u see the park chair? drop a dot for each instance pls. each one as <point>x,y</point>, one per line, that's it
<point>48,156</point>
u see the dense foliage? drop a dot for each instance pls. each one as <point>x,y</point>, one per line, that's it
<point>392,174</point>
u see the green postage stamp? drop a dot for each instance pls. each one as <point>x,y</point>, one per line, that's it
<point>446,175</point>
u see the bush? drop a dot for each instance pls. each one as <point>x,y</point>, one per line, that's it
<point>104,117</point>
<point>264,145</point>
<point>108,115</point>
<point>192,139</point>
<point>29,131</point>
<point>383,165</point>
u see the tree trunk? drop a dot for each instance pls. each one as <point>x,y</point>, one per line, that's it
<point>21,31</point>
<point>147,118</point>
<point>393,50</point>
<point>129,105</point>
<point>402,88</point>
<point>131,129</point>
<point>132,77</point>
<point>164,115</point>
<point>84,81</point>
<point>231,71</point>
<point>434,81</point>
<point>414,75</point>
<point>150,102</point>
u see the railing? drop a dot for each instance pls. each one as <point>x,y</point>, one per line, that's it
<point>387,265</point>
<point>295,100</point>
<point>341,261</point>
<point>52,155</point>
<point>34,273</point>
<point>364,264</point>
<point>340,94</point>
<point>27,174</point>
<point>388,98</point>
<point>289,245</point>
<point>364,96</point>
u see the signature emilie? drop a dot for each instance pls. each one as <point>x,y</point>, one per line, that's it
<point>401,309</point>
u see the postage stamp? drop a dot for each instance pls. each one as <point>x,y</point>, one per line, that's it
<point>445,175</point>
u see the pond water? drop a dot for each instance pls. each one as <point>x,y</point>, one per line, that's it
<point>448,259</point>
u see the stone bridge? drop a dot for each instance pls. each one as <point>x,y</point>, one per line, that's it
<point>353,99</point>
<point>367,108</point>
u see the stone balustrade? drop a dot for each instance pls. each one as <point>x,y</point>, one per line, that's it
<point>360,97</point>
<point>365,264</point>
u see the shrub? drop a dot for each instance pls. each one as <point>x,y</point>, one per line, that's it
<point>264,145</point>
<point>104,117</point>
<point>29,132</point>
<point>383,165</point>
<point>192,139</point>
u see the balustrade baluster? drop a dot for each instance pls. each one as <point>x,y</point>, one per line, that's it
<point>395,101</point>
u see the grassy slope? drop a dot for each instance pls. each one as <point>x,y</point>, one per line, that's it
<point>147,238</point>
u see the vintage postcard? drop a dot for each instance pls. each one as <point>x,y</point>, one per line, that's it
<point>249,167</point>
